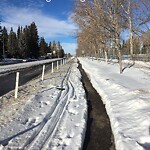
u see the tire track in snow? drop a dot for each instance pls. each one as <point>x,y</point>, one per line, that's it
<point>47,143</point>
<point>43,135</point>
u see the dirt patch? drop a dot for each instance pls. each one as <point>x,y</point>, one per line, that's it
<point>99,134</point>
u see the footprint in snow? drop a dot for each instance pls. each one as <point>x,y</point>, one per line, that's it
<point>71,134</point>
<point>30,121</point>
<point>66,142</point>
<point>72,111</point>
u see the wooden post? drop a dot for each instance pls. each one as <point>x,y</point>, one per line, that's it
<point>43,72</point>
<point>17,82</point>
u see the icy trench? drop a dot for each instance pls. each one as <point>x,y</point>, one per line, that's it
<point>98,134</point>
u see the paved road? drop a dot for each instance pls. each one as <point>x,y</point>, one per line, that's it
<point>7,81</point>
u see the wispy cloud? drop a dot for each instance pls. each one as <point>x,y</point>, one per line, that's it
<point>69,47</point>
<point>48,26</point>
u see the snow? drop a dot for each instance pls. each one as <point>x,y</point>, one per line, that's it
<point>45,116</point>
<point>127,100</point>
<point>52,114</point>
<point>74,122</point>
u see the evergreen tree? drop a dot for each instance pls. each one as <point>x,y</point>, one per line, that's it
<point>12,44</point>
<point>59,46</point>
<point>43,47</point>
<point>50,47</point>
<point>60,51</point>
<point>25,43</point>
<point>54,47</point>
<point>33,41</point>
<point>5,40</point>
<point>26,40</point>
<point>1,42</point>
<point>22,44</point>
<point>0,32</point>
<point>54,50</point>
<point>18,32</point>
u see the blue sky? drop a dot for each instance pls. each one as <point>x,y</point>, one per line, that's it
<point>53,19</point>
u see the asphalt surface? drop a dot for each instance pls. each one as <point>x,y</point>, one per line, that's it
<point>98,134</point>
<point>7,81</point>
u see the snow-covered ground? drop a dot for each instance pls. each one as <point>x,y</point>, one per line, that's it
<point>49,114</point>
<point>126,98</point>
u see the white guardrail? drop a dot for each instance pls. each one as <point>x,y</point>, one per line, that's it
<point>62,62</point>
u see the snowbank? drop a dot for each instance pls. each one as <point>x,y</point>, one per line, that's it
<point>127,101</point>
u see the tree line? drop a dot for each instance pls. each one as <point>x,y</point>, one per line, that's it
<point>25,43</point>
<point>101,25</point>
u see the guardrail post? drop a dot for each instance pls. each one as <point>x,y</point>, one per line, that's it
<point>43,72</point>
<point>57,64</point>
<point>52,67</point>
<point>60,62</point>
<point>16,87</point>
<point>64,60</point>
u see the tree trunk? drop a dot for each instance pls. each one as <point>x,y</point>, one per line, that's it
<point>131,33</point>
<point>117,34</point>
<point>118,43</point>
<point>106,56</point>
<point>119,53</point>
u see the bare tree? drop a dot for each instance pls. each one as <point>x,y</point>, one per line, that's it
<point>102,22</point>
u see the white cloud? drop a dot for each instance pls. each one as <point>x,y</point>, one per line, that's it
<point>48,27</point>
<point>69,47</point>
